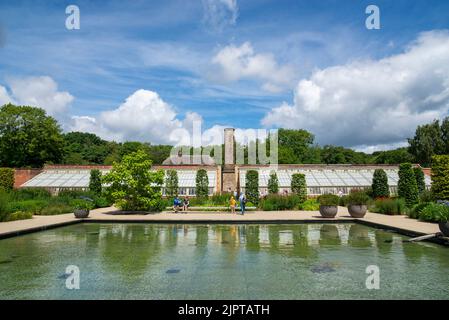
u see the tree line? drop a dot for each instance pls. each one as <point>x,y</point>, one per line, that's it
<point>31,138</point>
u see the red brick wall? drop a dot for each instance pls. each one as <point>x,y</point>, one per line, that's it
<point>23,175</point>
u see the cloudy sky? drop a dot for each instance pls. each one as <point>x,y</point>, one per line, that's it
<point>146,70</point>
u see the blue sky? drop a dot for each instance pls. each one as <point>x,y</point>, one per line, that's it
<point>188,53</point>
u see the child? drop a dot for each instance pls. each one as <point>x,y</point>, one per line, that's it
<point>232,203</point>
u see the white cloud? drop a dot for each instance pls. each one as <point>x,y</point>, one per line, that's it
<point>37,92</point>
<point>242,62</point>
<point>368,103</point>
<point>4,96</point>
<point>219,13</point>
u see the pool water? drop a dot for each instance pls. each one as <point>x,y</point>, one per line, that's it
<point>157,261</point>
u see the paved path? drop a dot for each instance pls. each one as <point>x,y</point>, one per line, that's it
<point>400,223</point>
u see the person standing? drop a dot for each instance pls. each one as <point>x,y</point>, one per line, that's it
<point>186,203</point>
<point>242,200</point>
<point>232,203</point>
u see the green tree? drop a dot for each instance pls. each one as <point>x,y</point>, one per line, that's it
<point>299,186</point>
<point>132,184</point>
<point>95,181</point>
<point>6,179</point>
<point>252,186</point>
<point>420,179</point>
<point>380,184</point>
<point>400,155</point>
<point>293,145</point>
<point>273,183</point>
<point>428,141</point>
<point>171,183</point>
<point>28,137</point>
<point>407,187</point>
<point>440,177</point>
<point>202,183</point>
<point>85,148</point>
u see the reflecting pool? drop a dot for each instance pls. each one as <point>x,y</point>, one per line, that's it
<point>160,261</point>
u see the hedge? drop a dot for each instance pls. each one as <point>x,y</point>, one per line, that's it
<point>273,183</point>
<point>420,181</point>
<point>252,186</point>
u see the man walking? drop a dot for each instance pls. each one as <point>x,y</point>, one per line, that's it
<point>242,201</point>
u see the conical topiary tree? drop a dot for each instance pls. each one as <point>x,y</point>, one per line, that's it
<point>299,186</point>
<point>252,186</point>
<point>407,187</point>
<point>273,183</point>
<point>420,182</point>
<point>440,177</point>
<point>202,183</point>
<point>171,183</point>
<point>95,181</point>
<point>380,184</point>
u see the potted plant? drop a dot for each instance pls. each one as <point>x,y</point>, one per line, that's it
<point>81,208</point>
<point>357,204</point>
<point>328,205</point>
<point>443,217</point>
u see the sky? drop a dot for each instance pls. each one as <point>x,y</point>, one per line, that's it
<point>147,70</point>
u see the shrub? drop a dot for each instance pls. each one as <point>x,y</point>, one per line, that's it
<point>252,186</point>
<point>101,202</point>
<point>357,198</point>
<point>19,215</point>
<point>343,201</point>
<point>273,202</point>
<point>407,187</point>
<point>426,196</point>
<point>4,205</point>
<point>171,183</point>
<point>80,204</point>
<point>95,181</point>
<point>389,206</point>
<point>54,209</point>
<point>415,212</point>
<point>31,194</point>
<point>420,180</point>
<point>221,199</point>
<point>6,178</point>
<point>380,184</point>
<point>328,200</point>
<point>435,212</point>
<point>440,177</point>
<point>309,205</point>
<point>299,186</point>
<point>273,183</point>
<point>202,183</point>
<point>32,206</point>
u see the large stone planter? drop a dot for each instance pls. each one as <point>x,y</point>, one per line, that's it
<point>81,214</point>
<point>328,211</point>
<point>444,228</point>
<point>357,210</point>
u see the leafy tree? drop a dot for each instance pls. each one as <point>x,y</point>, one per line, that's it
<point>158,153</point>
<point>131,147</point>
<point>445,134</point>
<point>299,186</point>
<point>428,141</point>
<point>252,186</point>
<point>420,180</point>
<point>6,179</point>
<point>440,177</point>
<point>407,187</point>
<point>380,184</point>
<point>202,183</point>
<point>28,137</point>
<point>133,186</point>
<point>171,183</point>
<point>293,145</point>
<point>400,155</point>
<point>273,183</point>
<point>85,148</point>
<point>95,181</point>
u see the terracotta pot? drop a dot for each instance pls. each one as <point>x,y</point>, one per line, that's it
<point>81,213</point>
<point>357,210</point>
<point>444,228</point>
<point>328,211</point>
